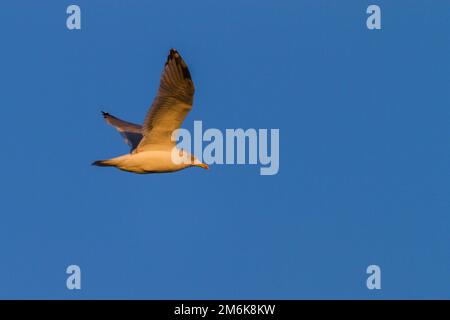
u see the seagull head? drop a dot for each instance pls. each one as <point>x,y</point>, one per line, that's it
<point>187,159</point>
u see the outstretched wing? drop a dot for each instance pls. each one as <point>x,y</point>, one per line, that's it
<point>171,105</point>
<point>132,133</point>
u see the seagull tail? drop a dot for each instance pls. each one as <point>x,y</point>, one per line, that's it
<point>102,163</point>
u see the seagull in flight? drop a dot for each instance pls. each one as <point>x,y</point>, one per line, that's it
<point>152,148</point>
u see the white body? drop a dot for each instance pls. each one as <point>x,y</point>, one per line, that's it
<point>157,161</point>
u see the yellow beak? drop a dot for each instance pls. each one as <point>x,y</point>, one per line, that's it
<point>202,165</point>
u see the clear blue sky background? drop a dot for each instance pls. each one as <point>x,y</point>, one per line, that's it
<point>364,150</point>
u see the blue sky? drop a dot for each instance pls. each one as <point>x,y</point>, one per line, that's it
<point>364,151</point>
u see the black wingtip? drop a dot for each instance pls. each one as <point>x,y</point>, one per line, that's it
<point>105,114</point>
<point>174,55</point>
<point>186,73</point>
<point>99,163</point>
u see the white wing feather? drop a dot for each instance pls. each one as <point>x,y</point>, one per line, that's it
<point>171,105</point>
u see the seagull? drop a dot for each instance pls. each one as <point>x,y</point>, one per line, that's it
<point>152,148</point>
